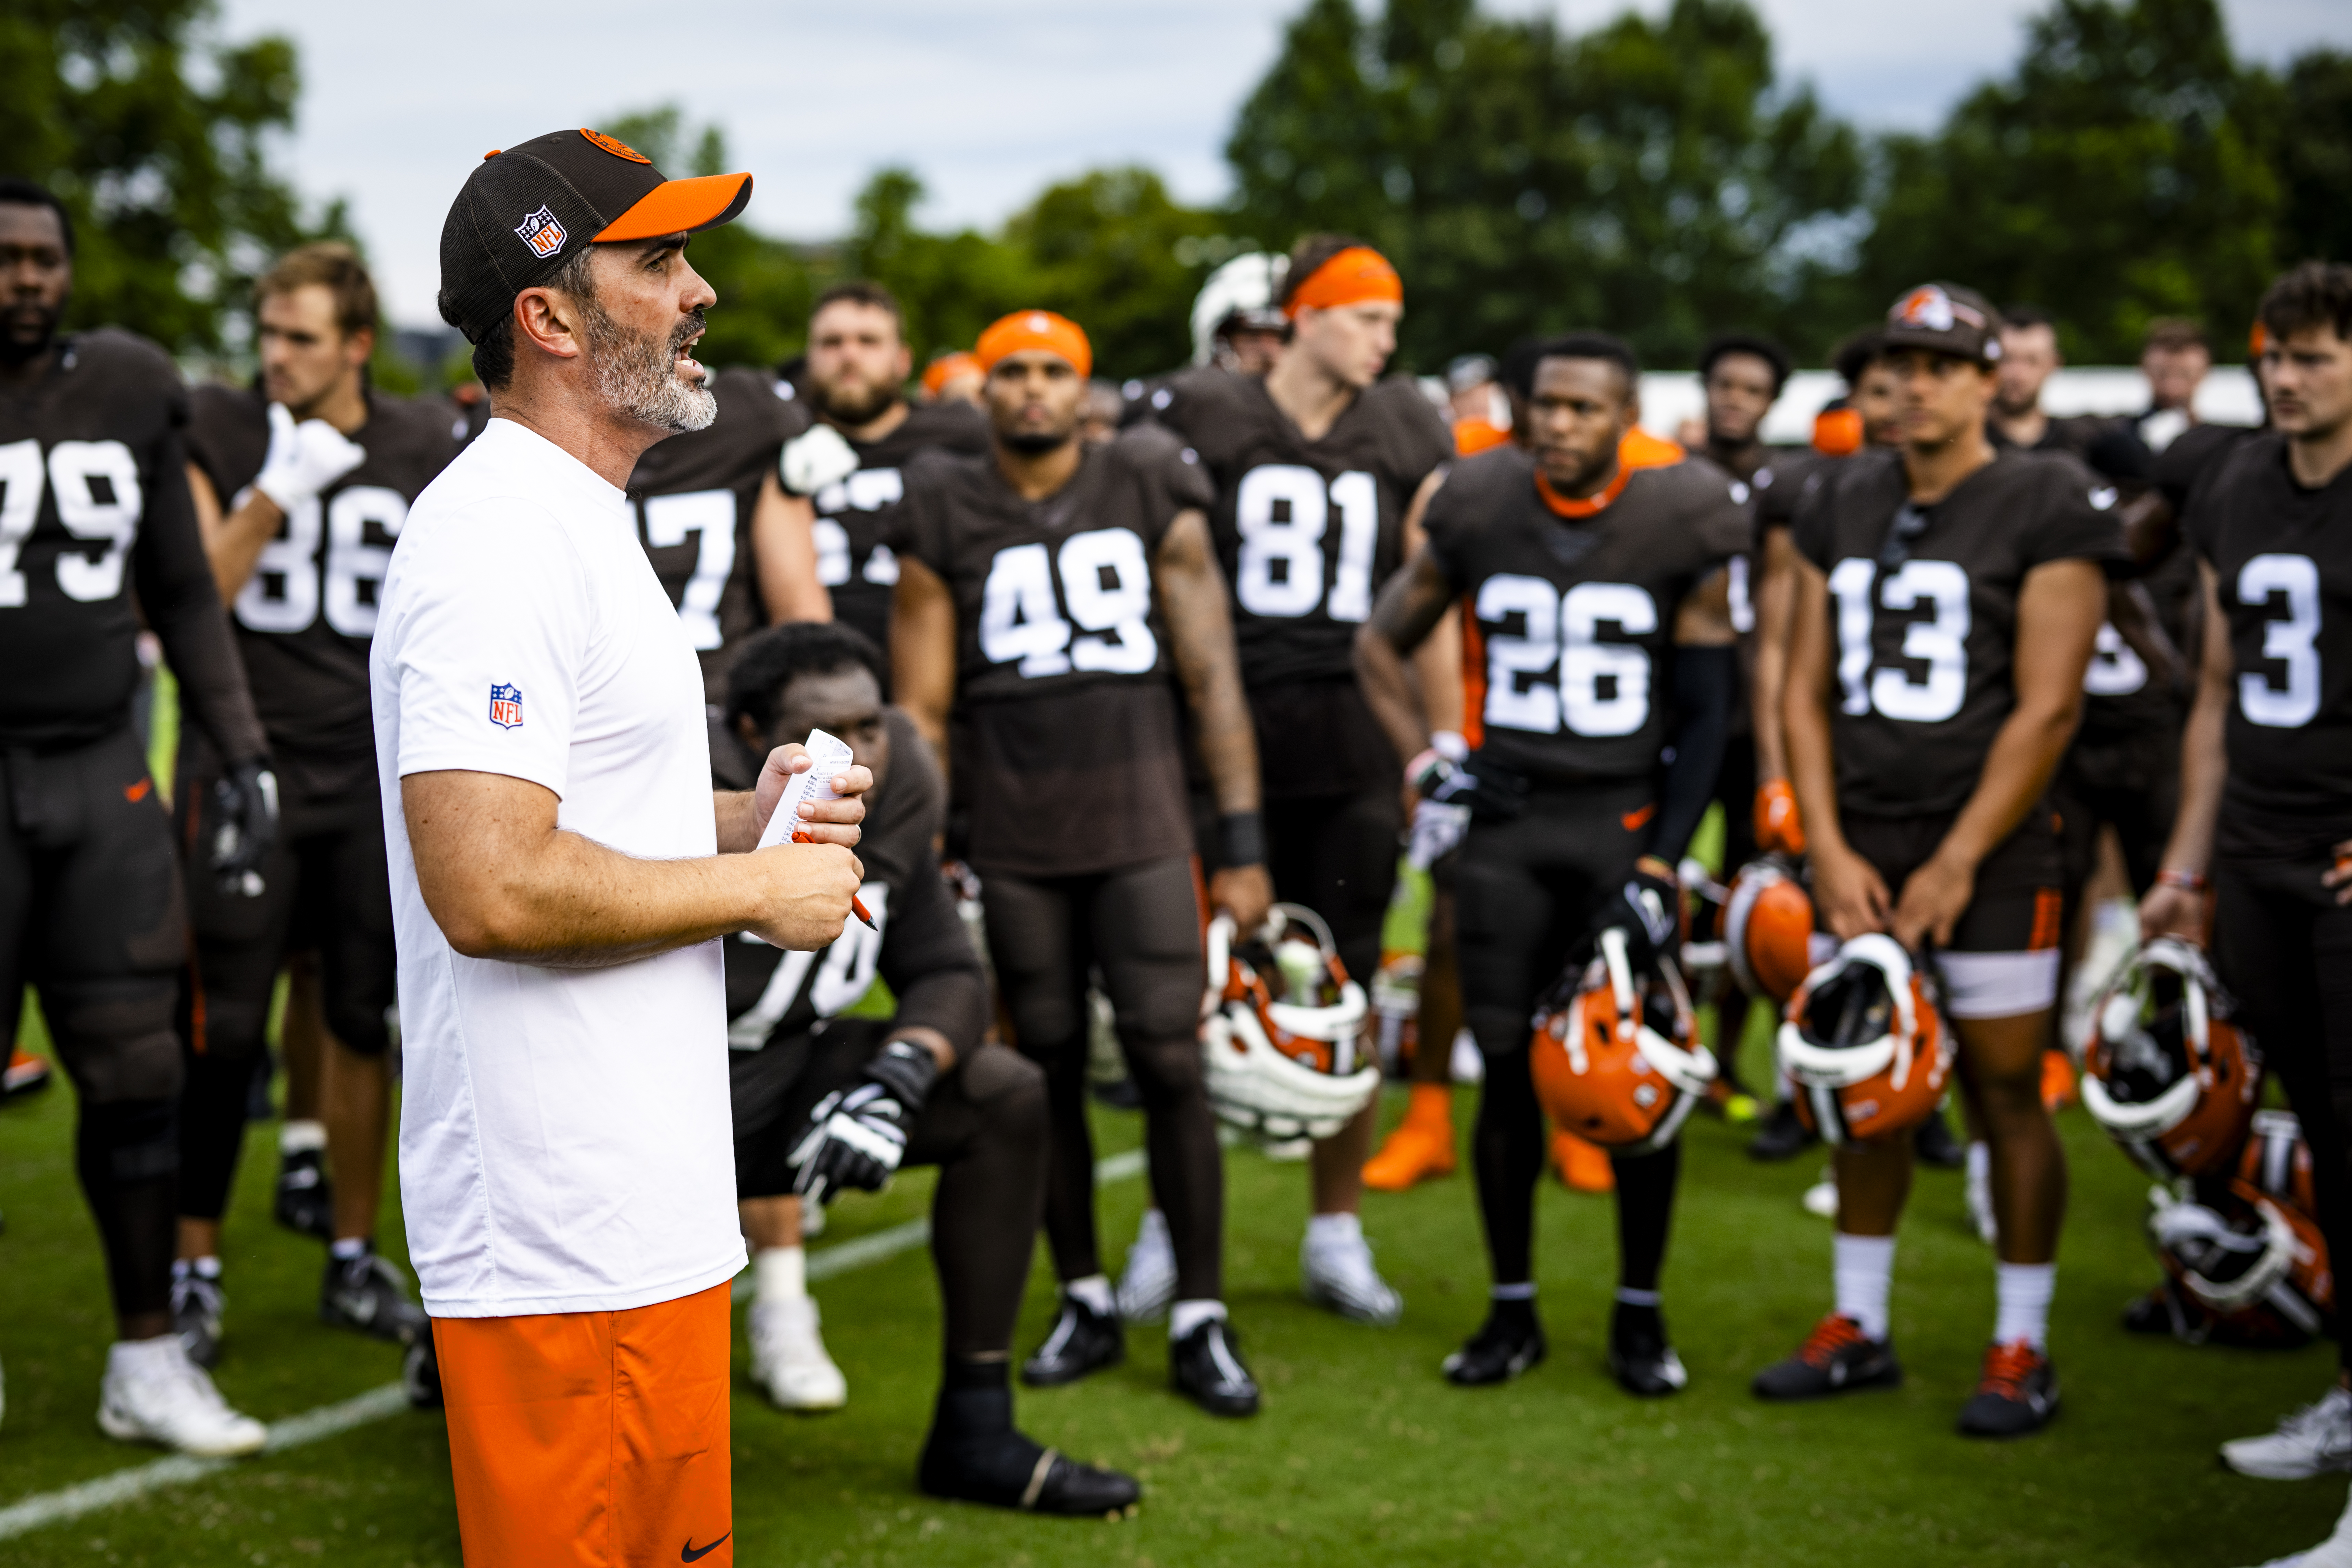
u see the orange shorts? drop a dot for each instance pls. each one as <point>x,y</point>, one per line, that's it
<point>592,1439</point>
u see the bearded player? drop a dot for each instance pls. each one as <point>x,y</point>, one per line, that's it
<point>1591,575</point>
<point>99,535</point>
<point>302,483</point>
<point>1053,598</point>
<point>1945,605</point>
<point>1321,471</point>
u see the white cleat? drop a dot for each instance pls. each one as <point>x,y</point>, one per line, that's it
<point>788,1357</point>
<point>1337,1273</point>
<point>153,1393</point>
<point>1147,1285</point>
<point>2310,1442</point>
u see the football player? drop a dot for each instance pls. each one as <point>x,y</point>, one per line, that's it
<point>1590,571</point>
<point>2175,358</point>
<point>2266,776</point>
<point>824,1103</point>
<point>851,462</point>
<point>1052,597</point>
<point>1321,469</point>
<point>302,483</point>
<point>98,534</point>
<point>1947,598</point>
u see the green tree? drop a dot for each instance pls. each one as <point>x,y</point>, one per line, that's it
<point>1110,251</point>
<point>2127,169</point>
<point>176,206</point>
<point>949,285</point>
<point>2316,158</point>
<point>1652,177</point>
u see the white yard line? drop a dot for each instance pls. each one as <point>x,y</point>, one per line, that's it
<point>71,1502</point>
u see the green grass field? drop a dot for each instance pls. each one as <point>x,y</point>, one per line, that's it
<point>1363,1455</point>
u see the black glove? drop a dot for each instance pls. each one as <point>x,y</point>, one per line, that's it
<point>1493,793</point>
<point>857,1136</point>
<point>245,819</point>
<point>1648,909</point>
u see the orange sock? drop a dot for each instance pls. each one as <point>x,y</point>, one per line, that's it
<point>1421,1147</point>
<point>1583,1165</point>
<point>2057,1080</point>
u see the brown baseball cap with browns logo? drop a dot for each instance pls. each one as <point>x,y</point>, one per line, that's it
<point>528,209</point>
<point>1947,318</point>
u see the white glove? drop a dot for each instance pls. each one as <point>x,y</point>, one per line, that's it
<point>816,458</point>
<point>1437,827</point>
<point>304,459</point>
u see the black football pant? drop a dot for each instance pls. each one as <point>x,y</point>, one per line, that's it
<point>983,1126</point>
<point>1338,856</point>
<point>324,885</point>
<point>91,916</point>
<point>1525,895</point>
<point>2283,948</point>
<point>1735,791</point>
<point>1140,926</point>
<point>2129,782</point>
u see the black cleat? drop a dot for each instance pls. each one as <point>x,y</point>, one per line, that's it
<point>1121,1094</point>
<point>197,1307</point>
<point>999,1465</point>
<point>1501,1350</point>
<point>1640,1358</point>
<point>2017,1396</point>
<point>420,1373</point>
<point>1782,1136</point>
<point>1082,1341</point>
<point>1935,1145</point>
<point>2158,1313</point>
<point>365,1293</point>
<point>1837,1358</point>
<point>1206,1368</point>
<point>305,1202</point>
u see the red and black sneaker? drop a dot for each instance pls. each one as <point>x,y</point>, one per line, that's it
<point>1837,1357</point>
<point>2017,1395</point>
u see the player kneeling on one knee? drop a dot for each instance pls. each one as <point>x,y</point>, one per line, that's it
<point>824,1104</point>
<point>1947,598</point>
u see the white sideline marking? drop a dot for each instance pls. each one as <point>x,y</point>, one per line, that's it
<point>330,1420</point>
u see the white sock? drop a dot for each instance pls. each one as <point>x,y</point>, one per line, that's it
<point>1334,1230</point>
<point>302,1137</point>
<point>780,1273</point>
<point>1095,1292</point>
<point>1523,1291</point>
<point>1630,1297</point>
<point>202,1268</point>
<point>1979,1161</point>
<point>1863,1269</point>
<point>2023,1291</point>
<point>139,1357</point>
<point>1186,1316</point>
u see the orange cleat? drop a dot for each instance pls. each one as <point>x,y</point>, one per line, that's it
<point>1585,1166</point>
<point>25,1073</point>
<point>1421,1147</point>
<point>2057,1081</point>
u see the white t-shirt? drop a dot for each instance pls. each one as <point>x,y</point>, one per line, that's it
<point>565,1134</point>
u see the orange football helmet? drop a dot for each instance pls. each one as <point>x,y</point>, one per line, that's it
<point>2166,1072</point>
<point>2277,1161</point>
<point>1279,1027</point>
<point>2253,1266</point>
<point>1621,1062</point>
<point>1865,1047</point>
<point>1767,929</point>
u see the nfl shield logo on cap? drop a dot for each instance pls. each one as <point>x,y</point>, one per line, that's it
<point>543,233</point>
<point>506,707</point>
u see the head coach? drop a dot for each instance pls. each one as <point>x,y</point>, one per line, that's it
<point>560,870</point>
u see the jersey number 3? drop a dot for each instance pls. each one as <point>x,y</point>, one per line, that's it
<point>2293,642</point>
<point>1941,642</point>
<point>1602,688</point>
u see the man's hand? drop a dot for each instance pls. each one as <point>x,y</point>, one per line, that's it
<point>2168,911</point>
<point>2339,876</point>
<point>304,459</point>
<point>245,818</point>
<point>857,1136</point>
<point>1244,892</point>
<point>1849,892</point>
<point>824,821</point>
<point>1934,897</point>
<point>1648,909</point>
<point>805,894</point>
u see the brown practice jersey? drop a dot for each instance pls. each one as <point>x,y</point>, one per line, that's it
<point>1568,621</point>
<point>694,496</point>
<point>2282,558</point>
<point>305,616</point>
<point>855,515</point>
<point>97,529</point>
<point>1069,746</point>
<point>1924,629</point>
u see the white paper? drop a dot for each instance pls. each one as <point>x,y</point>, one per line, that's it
<point>831,757</point>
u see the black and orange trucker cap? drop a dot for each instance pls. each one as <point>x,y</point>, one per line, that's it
<point>1944,317</point>
<point>526,210</point>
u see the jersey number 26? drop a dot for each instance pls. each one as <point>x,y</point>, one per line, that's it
<point>1600,689</point>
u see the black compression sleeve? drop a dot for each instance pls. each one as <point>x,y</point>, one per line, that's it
<point>1703,682</point>
<point>176,593</point>
<point>929,965</point>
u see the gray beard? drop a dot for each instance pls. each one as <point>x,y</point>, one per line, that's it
<point>637,376</point>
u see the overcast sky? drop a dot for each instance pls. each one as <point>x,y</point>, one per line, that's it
<point>988,102</point>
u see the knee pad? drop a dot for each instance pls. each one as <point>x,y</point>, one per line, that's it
<point>1168,1071</point>
<point>115,1038</point>
<point>1007,1084</point>
<point>364,1030</point>
<point>125,1141</point>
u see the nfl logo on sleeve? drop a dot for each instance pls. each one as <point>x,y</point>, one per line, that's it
<point>506,707</point>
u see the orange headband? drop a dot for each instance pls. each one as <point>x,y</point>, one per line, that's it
<point>1355,276</point>
<point>946,368</point>
<point>2258,341</point>
<point>1025,329</point>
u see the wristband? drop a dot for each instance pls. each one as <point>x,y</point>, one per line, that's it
<point>2187,882</point>
<point>1240,838</point>
<point>1449,744</point>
